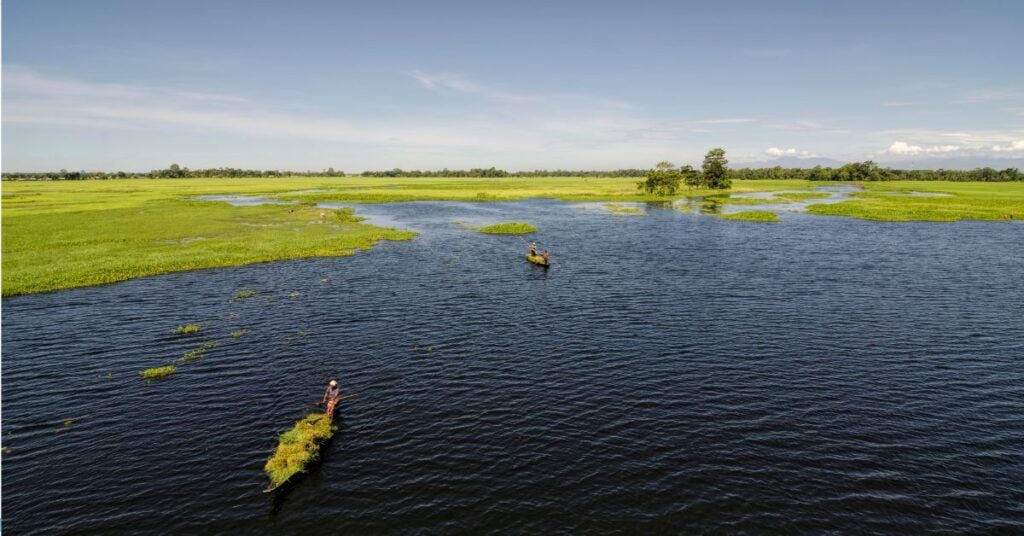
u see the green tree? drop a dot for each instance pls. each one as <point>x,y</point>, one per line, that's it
<point>716,169</point>
<point>664,180</point>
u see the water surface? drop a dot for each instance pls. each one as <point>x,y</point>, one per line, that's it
<point>673,372</point>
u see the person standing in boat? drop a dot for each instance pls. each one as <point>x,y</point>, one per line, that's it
<point>546,256</point>
<point>331,396</point>
<point>533,248</point>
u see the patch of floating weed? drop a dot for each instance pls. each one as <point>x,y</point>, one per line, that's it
<point>157,373</point>
<point>298,447</point>
<point>237,334</point>
<point>68,422</point>
<point>294,294</point>
<point>188,329</point>
<point>752,215</point>
<point>244,294</point>
<point>296,335</point>
<point>512,227</point>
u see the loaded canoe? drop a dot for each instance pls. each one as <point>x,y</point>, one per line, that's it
<point>298,448</point>
<point>536,259</point>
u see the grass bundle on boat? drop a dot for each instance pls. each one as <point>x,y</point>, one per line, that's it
<point>298,447</point>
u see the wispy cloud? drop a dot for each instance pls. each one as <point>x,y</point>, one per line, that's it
<point>1014,147</point>
<point>992,95</point>
<point>792,151</point>
<point>456,84</point>
<point>905,149</point>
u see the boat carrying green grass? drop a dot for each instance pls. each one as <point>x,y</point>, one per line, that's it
<point>297,448</point>
<point>751,215</point>
<point>156,373</point>
<point>536,259</point>
<point>512,227</point>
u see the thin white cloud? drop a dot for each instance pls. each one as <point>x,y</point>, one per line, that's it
<point>792,151</point>
<point>905,149</point>
<point>898,103</point>
<point>1012,147</point>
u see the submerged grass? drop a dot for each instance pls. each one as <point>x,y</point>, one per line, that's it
<point>298,447</point>
<point>156,373</point>
<point>751,215</point>
<point>618,209</point>
<point>512,227</point>
<point>244,294</point>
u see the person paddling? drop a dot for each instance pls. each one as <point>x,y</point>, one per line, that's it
<point>546,256</point>
<point>533,248</point>
<point>331,396</point>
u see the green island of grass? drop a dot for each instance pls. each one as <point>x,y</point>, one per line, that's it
<point>298,447</point>
<point>512,227</point>
<point>751,215</point>
<point>156,373</point>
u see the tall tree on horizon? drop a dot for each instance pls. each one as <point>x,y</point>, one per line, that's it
<point>716,171</point>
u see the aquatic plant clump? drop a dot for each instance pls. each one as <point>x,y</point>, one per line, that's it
<point>244,294</point>
<point>188,329</point>
<point>752,215</point>
<point>156,373</point>
<point>298,447</point>
<point>512,227</point>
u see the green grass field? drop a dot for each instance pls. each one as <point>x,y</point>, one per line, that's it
<point>892,201</point>
<point>63,234</point>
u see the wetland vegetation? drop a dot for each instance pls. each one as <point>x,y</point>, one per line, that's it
<point>156,373</point>
<point>63,234</point>
<point>512,227</point>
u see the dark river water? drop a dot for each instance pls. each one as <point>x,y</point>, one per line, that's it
<point>672,373</point>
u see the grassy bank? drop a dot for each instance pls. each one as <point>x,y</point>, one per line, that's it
<point>80,233</point>
<point>943,201</point>
<point>64,234</point>
<point>751,215</point>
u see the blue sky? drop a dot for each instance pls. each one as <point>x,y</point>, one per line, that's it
<point>104,85</point>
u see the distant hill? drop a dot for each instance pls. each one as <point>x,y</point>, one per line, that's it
<point>961,162</point>
<point>793,162</point>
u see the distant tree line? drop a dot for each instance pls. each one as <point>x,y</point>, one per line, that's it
<point>174,171</point>
<point>494,172</point>
<point>870,171</point>
<point>664,176</point>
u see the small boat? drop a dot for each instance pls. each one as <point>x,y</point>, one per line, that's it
<point>537,259</point>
